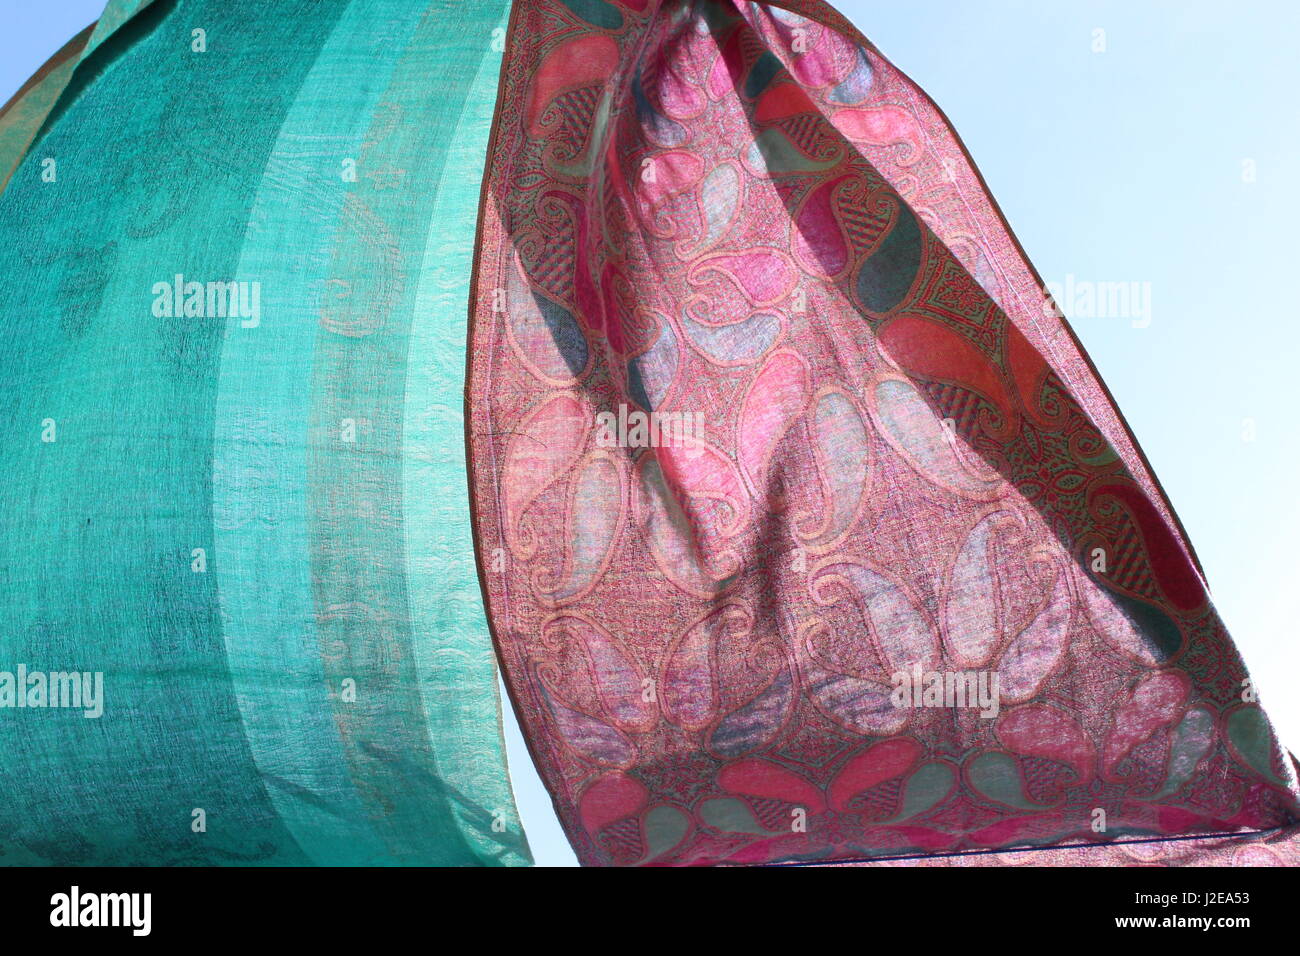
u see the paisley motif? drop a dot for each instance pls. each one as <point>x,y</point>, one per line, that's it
<point>583,61</point>
<point>926,349</point>
<point>590,738</point>
<point>671,536</point>
<point>774,402</point>
<point>1155,702</point>
<point>687,694</point>
<point>720,196</point>
<point>615,676</point>
<point>545,335</point>
<point>842,452</point>
<point>763,276</point>
<point>899,630</point>
<point>914,429</point>
<point>882,126</point>
<point>887,273</point>
<point>597,508</point>
<point>545,444</point>
<point>737,344</point>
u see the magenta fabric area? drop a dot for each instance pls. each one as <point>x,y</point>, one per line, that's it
<point>808,531</point>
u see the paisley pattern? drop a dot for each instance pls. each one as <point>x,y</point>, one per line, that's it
<point>741,213</point>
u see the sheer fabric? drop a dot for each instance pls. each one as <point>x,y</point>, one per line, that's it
<point>232,349</point>
<point>899,467</point>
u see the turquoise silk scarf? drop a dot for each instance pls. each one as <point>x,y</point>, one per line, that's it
<point>233,351</point>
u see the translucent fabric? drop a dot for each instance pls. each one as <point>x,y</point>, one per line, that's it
<point>824,540</point>
<point>232,350</point>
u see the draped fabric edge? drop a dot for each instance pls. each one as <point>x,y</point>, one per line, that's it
<point>841,23</point>
<point>480,562</point>
<point>23,127</point>
<point>50,84</point>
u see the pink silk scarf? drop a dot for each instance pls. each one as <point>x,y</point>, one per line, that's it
<point>882,457</point>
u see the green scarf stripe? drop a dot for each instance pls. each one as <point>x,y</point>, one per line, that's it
<point>101,523</point>
<point>445,601</point>
<point>260,458</point>
<point>356,465</point>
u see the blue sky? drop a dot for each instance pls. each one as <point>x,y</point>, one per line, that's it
<point>1129,165</point>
